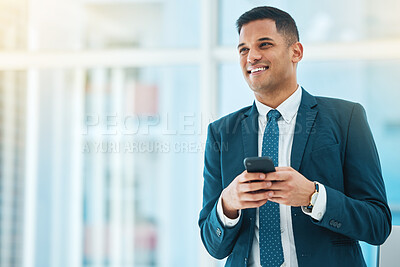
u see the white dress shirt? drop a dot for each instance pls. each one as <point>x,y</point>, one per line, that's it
<point>286,124</point>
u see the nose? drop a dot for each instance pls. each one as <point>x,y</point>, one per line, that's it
<point>253,56</point>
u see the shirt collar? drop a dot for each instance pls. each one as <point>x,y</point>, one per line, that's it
<point>287,108</point>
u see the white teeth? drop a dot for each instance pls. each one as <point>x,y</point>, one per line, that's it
<point>258,69</point>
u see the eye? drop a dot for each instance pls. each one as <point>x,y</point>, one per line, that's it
<point>243,50</point>
<point>265,44</point>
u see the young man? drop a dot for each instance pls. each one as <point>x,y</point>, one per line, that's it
<point>327,192</point>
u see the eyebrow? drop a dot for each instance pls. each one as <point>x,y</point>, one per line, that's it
<point>259,40</point>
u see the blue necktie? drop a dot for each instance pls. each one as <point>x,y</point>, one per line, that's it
<point>271,253</point>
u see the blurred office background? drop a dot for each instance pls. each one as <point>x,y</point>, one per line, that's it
<point>104,106</point>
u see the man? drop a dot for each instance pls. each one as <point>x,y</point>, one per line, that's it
<point>327,192</point>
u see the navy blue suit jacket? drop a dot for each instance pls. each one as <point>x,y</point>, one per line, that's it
<point>333,145</point>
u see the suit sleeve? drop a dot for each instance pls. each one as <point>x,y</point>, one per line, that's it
<point>217,239</point>
<point>360,212</point>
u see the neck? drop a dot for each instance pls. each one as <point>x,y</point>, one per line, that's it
<point>273,98</point>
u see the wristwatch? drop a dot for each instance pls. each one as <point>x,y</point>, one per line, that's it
<point>313,198</point>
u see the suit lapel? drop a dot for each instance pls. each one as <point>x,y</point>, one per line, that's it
<point>250,144</point>
<point>250,132</point>
<point>304,124</point>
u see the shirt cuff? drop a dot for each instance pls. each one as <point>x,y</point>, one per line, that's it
<point>319,208</point>
<point>224,219</point>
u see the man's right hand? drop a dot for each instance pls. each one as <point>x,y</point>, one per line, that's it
<point>247,190</point>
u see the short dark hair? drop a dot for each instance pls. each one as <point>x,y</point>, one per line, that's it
<point>284,23</point>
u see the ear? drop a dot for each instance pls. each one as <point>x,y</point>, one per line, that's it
<point>297,50</point>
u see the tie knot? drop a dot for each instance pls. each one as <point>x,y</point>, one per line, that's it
<point>273,113</point>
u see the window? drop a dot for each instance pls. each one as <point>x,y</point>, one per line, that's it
<point>104,106</point>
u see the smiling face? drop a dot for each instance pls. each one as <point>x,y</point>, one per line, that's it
<point>268,62</point>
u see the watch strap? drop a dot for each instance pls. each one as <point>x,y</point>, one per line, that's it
<point>311,202</point>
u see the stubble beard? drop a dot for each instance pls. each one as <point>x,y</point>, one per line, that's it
<point>263,89</point>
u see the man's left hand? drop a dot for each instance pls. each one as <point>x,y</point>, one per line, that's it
<point>289,187</point>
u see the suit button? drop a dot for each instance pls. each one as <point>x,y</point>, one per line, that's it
<point>339,225</point>
<point>331,222</point>
<point>218,232</point>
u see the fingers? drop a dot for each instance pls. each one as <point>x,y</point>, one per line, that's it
<point>255,196</point>
<point>285,168</point>
<point>250,190</point>
<point>254,204</point>
<point>281,174</point>
<point>246,177</point>
<point>285,186</point>
<point>279,186</point>
<point>255,186</point>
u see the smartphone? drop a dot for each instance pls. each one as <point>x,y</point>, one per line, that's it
<point>259,164</point>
